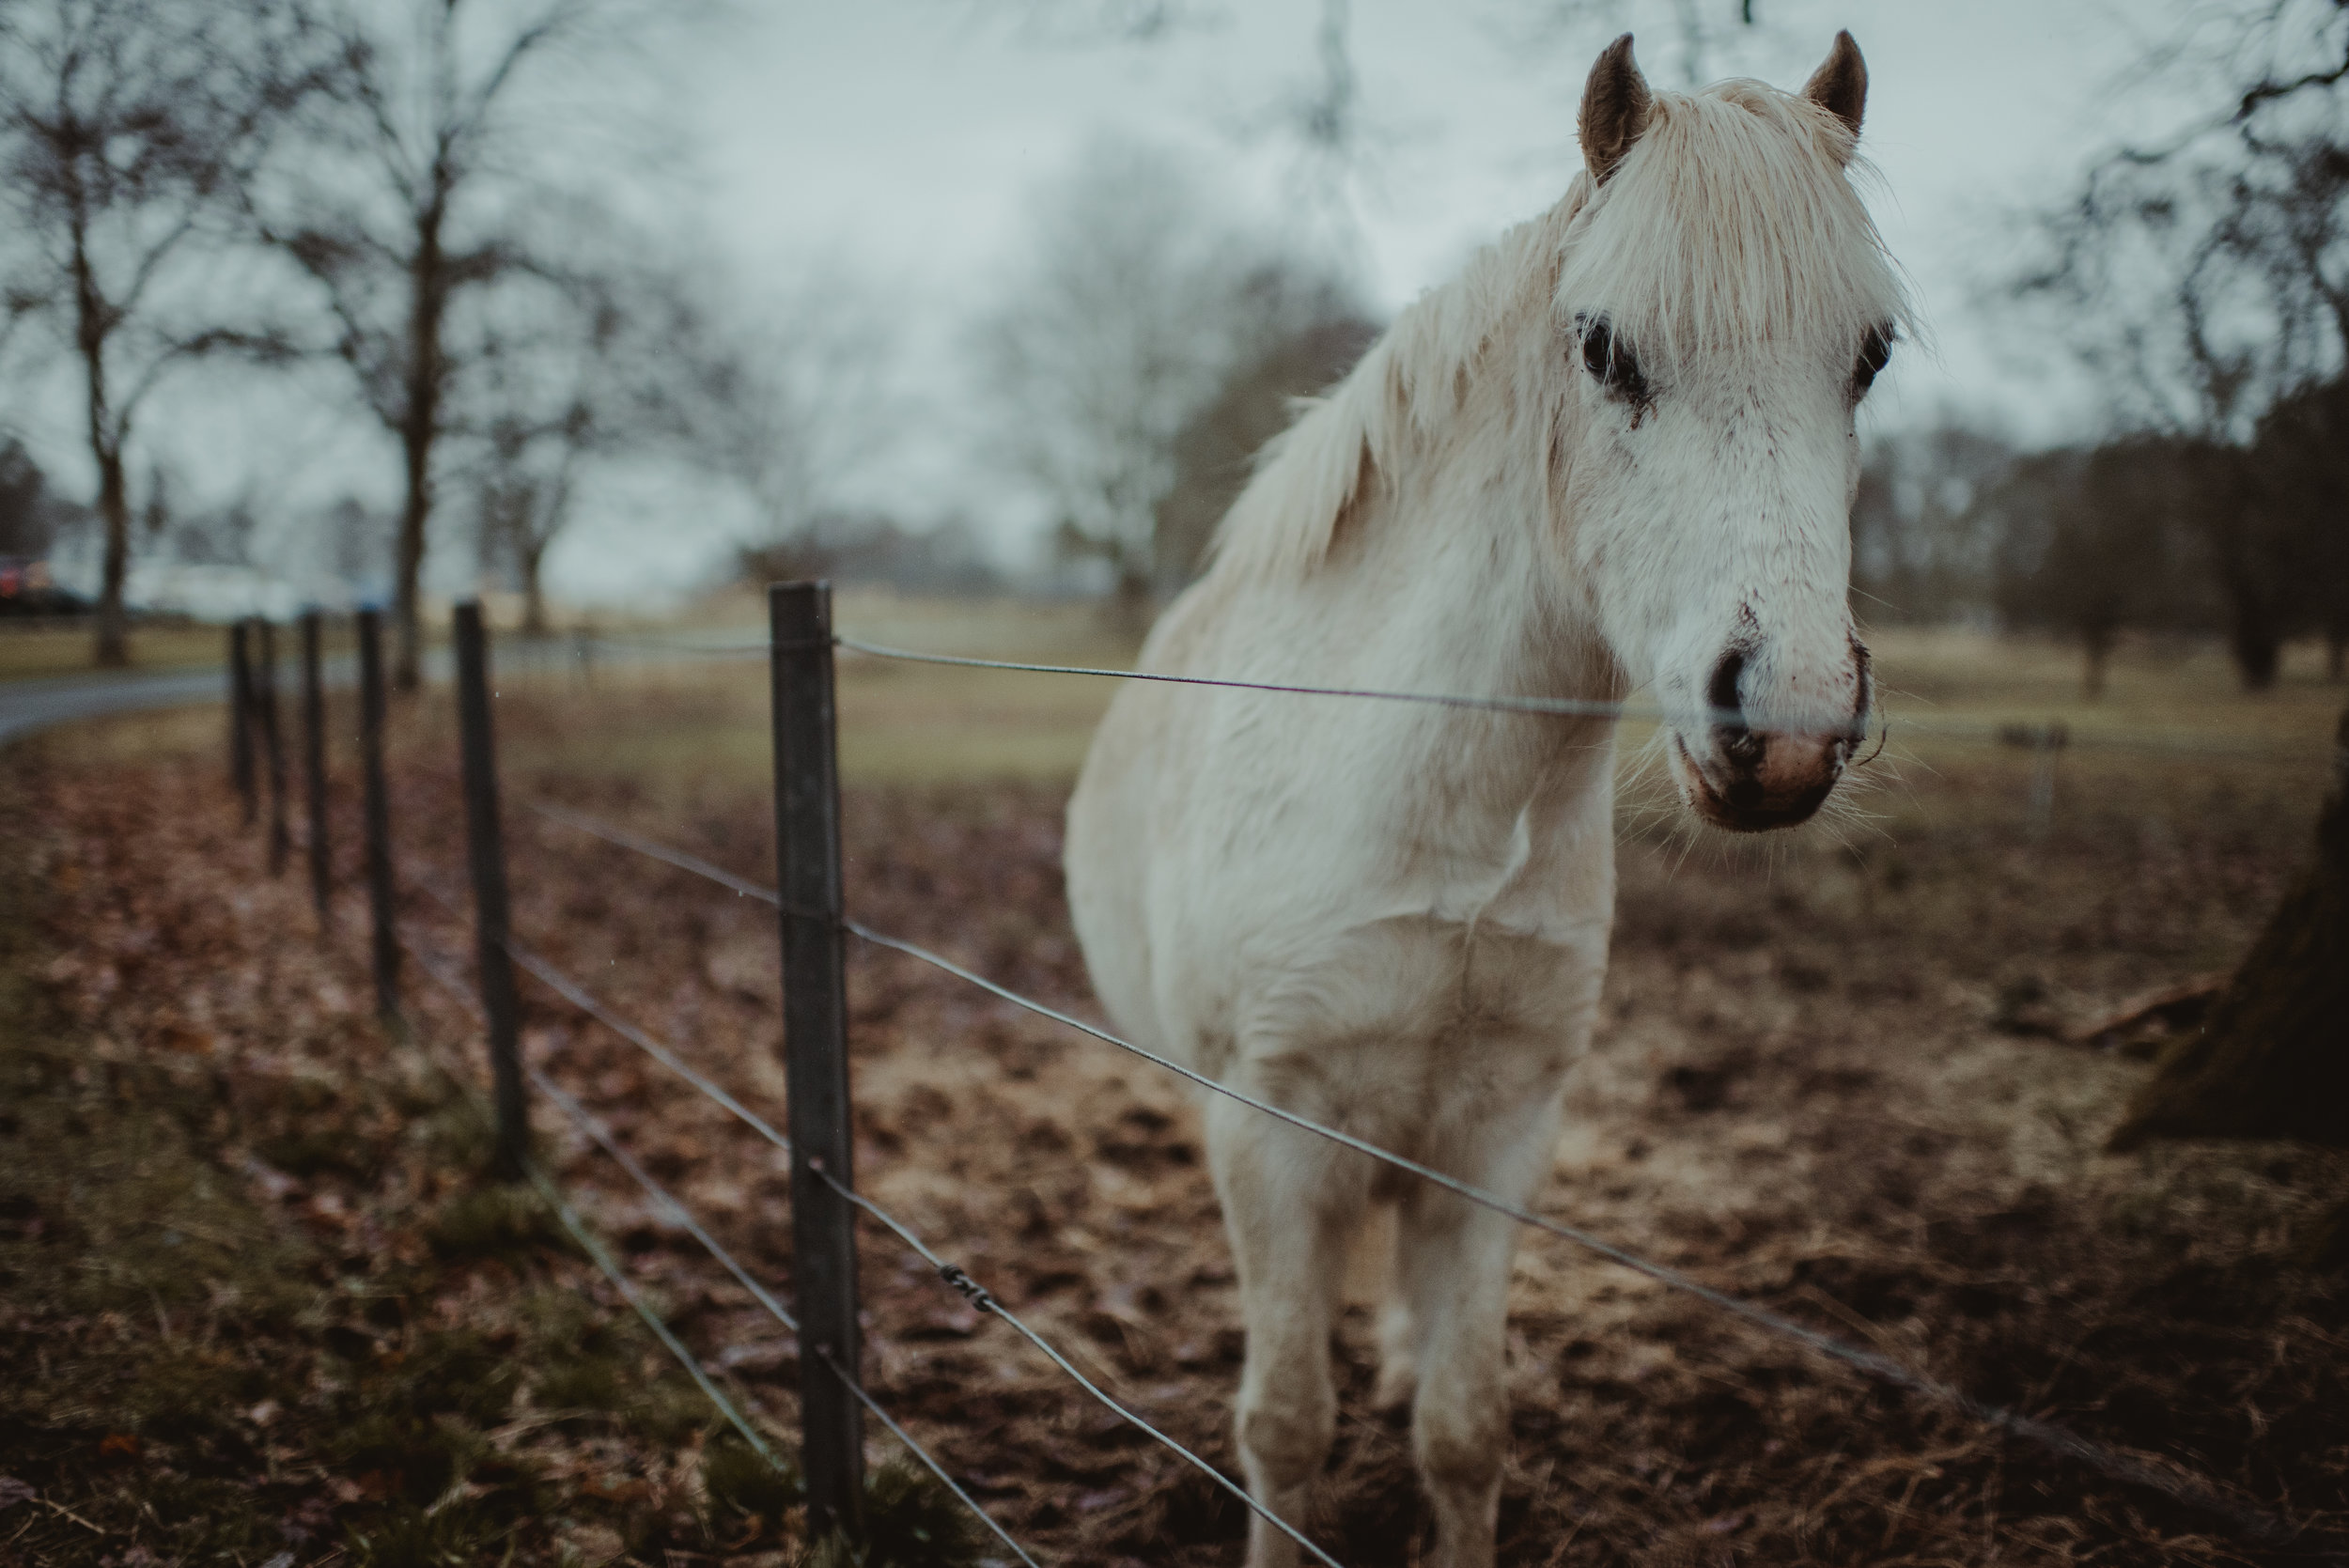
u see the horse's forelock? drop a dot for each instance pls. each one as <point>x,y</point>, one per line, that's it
<point>1735,219</point>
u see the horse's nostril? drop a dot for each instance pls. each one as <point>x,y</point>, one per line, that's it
<point>1728,704</point>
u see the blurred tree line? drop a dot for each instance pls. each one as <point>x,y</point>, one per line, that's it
<point>415,209</point>
<point>2157,532</point>
<point>2204,281</point>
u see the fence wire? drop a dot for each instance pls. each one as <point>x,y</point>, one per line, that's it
<point>576,995</point>
<point>2172,1481</point>
<point>431,965</point>
<point>1994,730</point>
<point>601,1135</point>
<point>984,1300</point>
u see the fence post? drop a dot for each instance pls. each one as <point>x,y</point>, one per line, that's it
<point>241,720</point>
<point>815,1043</point>
<point>313,763</point>
<point>485,852</point>
<point>272,748</point>
<point>378,811</point>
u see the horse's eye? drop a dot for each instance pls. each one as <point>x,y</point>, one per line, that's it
<point>1608,362</point>
<point>1876,353</point>
<point>1598,348</point>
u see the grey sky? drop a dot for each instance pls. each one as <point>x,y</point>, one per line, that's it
<point>899,140</point>
<point>896,144</point>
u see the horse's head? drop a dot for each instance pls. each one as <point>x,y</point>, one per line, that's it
<point>1722,307</point>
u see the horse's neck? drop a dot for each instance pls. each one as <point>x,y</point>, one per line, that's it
<point>1448,581</point>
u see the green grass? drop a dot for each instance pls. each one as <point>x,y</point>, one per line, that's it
<point>30,649</point>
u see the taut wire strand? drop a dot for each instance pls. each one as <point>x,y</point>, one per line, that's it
<point>984,1300</point>
<point>593,1127</point>
<point>593,1249</point>
<point>577,995</point>
<point>2184,1487</point>
<point>923,1455</point>
<point>2107,1460</point>
<point>1557,707</point>
<point>1955,729</point>
<point>430,963</point>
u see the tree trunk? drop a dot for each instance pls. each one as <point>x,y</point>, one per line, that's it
<point>408,572</point>
<point>533,601</point>
<point>92,321</point>
<point>419,430</point>
<point>112,649</point>
<point>2252,637</point>
<point>2272,1060</point>
<point>2099,647</point>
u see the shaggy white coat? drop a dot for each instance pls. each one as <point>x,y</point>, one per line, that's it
<point>1394,918</point>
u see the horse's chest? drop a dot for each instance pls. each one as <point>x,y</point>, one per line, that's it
<point>1430,984</point>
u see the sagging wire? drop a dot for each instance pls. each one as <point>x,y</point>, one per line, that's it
<point>983,1301</point>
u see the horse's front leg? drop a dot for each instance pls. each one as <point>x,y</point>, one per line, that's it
<point>1290,1201</point>
<point>1452,1269</point>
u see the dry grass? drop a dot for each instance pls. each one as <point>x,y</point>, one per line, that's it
<point>32,649</point>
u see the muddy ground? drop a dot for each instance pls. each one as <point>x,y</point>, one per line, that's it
<point>1834,1081</point>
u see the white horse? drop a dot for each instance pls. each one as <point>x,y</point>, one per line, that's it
<point>1617,450</point>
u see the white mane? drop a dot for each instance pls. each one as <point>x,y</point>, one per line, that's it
<point>1732,219</point>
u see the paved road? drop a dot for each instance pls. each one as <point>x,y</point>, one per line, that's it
<point>27,706</point>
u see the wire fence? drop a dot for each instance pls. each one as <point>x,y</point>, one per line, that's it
<point>825,1203</point>
<point>2032,734</point>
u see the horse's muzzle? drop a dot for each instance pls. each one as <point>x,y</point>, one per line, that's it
<point>1759,779</point>
<point>1753,778</point>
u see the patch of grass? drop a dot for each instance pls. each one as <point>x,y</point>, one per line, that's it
<point>910,1521</point>
<point>738,1478</point>
<point>33,649</point>
<point>410,1536</point>
<point>494,1219</point>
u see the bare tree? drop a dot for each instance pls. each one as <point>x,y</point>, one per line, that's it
<point>571,381</point>
<point>2089,542</point>
<point>2205,281</point>
<point>791,400</point>
<point>2300,459</point>
<point>129,129</point>
<point>1121,328</point>
<point>440,160</point>
<point>1924,545</point>
<point>1307,329</point>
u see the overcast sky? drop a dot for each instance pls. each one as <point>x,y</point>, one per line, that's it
<point>898,144</point>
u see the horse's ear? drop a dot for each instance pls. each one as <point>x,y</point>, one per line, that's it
<point>1841,85</point>
<point>1616,105</point>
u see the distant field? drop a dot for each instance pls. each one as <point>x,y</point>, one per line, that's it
<point>2172,727</point>
<point>30,649</point>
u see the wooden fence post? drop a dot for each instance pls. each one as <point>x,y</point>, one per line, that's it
<point>272,747</point>
<point>313,764</point>
<point>378,811</point>
<point>485,851</point>
<point>816,1060</point>
<point>241,720</point>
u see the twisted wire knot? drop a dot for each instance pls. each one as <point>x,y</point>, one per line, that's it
<point>971,1289</point>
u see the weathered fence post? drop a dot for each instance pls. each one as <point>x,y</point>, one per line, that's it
<point>313,763</point>
<point>378,811</point>
<point>272,748</point>
<point>485,851</point>
<point>816,1058</point>
<point>241,721</point>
